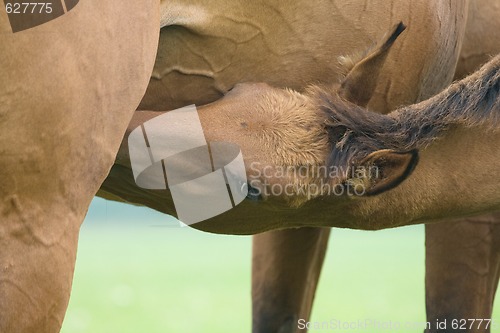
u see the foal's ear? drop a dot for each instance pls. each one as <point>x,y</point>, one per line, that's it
<point>359,84</point>
<point>383,170</point>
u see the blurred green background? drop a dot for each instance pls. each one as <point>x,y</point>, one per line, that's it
<point>138,272</point>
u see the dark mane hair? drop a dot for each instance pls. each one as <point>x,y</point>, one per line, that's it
<point>356,132</point>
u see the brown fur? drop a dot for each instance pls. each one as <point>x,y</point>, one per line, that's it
<point>282,119</point>
<point>356,132</point>
<point>68,90</point>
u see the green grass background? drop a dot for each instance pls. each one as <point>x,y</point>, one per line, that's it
<point>137,272</point>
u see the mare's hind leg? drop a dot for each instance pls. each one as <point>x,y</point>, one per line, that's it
<point>462,270</point>
<point>68,90</point>
<point>285,271</point>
